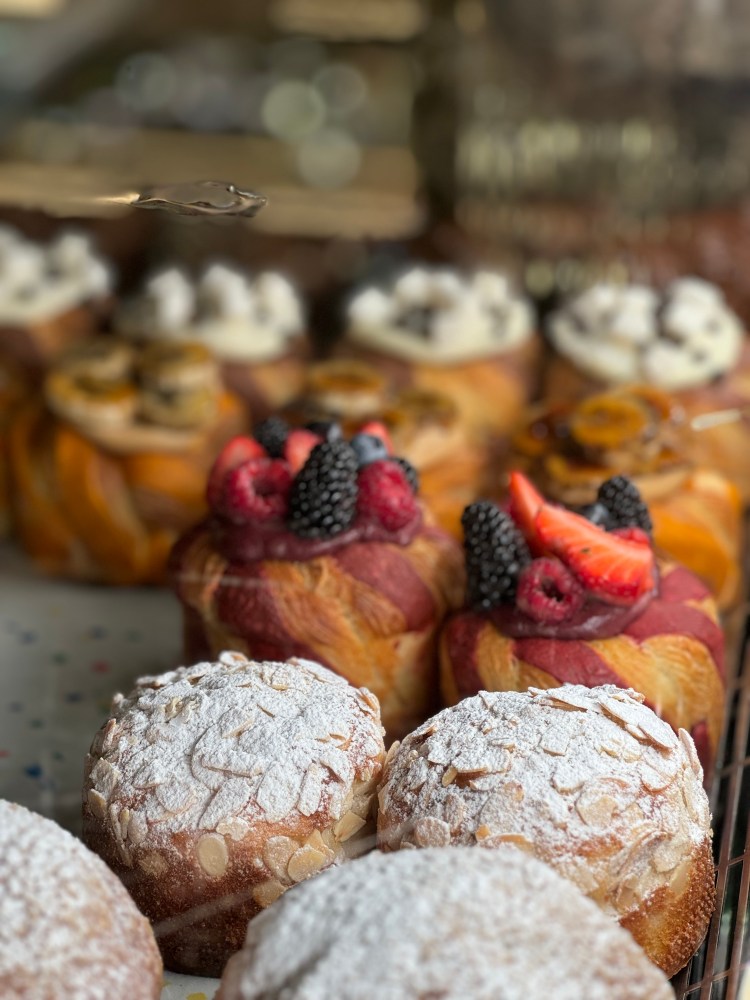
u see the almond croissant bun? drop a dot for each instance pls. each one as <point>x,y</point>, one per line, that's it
<point>109,467</point>
<point>324,553</point>
<point>642,432</point>
<point>593,606</point>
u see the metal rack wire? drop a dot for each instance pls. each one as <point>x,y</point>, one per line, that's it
<point>715,972</point>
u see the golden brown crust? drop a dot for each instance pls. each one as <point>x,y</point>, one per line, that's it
<point>671,922</point>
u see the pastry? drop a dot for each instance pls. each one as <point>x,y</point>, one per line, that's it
<point>321,548</point>
<point>451,923</point>
<point>214,788</point>
<point>67,926</point>
<point>684,340</point>
<point>109,467</point>
<point>254,326</point>
<point>13,389</point>
<point>641,431</point>
<point>424,425</point>
<point>469,338</point>
<point>553,597</point>
<point>587,780</point>
<point>51,296</point>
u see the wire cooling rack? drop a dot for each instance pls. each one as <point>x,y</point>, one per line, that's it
<point>717,969</point>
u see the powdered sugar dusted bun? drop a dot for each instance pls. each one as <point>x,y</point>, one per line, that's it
<point>589,780</point>
<point>440,923</point>
<point>214,788</point>
<point>67,926</point>
<point>680,339</point>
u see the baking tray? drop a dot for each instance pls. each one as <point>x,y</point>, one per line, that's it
<point>66,649</point>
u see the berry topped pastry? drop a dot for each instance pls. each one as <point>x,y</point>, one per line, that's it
<point>684,340</point>
<point>109,466</point>
<point>471,338</point>
<point>425,426</point>
<point>318,546</point>
<point>555,596</point>
<point>51,296</point>
<point>569,448</point>
<point>254,326</point>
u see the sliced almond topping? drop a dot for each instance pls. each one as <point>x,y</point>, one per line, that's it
<point>347,826</point>
<point>687,741</point>
<point>305,862</point>
<point>517,839</point>
<point>431,832</point>
<point>267,892</point>
<point>153,864</point>
<point>449,776</point>
<point>213,855</point>
<point>276,854</point>
<point>483,832</point>
<point>97,803</point>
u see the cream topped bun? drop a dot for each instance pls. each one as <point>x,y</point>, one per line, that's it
<point>441,317</point>
<point>678,339</point>
<point>39,282</point>
<point>238,317</point>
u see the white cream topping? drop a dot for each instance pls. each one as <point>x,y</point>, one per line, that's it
<point>40,282</point>
<point>677,340</point>
<point>238,318</point>
<point>440,317</point>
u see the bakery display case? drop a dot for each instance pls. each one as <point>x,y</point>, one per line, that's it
<point>373,499</point>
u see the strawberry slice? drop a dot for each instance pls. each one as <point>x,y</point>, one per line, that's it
<point>525,504</point>
<point>378,430</point>
<point>616,569</point>
<point>236,452</point>
<point>297,448</point>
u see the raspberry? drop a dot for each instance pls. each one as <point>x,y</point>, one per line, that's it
<point>627,509</point>
<point>548,591</point>
<point>272,434</point>
<point>385,495</point>
<point>255,491</point>
<point>298,446</point>
<point>234,453</point>
<point>323,498</point>
<point>495,554</point>
<point>412,476</point>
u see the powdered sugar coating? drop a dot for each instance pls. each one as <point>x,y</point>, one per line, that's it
<point>440,923</point>
<point>587,779</point>
<point>228,745</point>
<point>67,925</point>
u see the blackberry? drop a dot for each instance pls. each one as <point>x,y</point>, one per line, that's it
<point>323,498</point>
<point>496,552</point>
<point>412,476</point>
<point>621,498</point>
<point>272,434</point>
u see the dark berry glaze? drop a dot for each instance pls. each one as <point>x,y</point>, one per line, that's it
<point>273,540</point>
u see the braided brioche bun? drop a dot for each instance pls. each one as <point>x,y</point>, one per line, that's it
<point>67,925</point>
<point>440,923</point>
<point>214,788</point>
<point>588,780</point>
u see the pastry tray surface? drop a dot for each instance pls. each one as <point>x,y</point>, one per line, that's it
<point>66,649</point>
